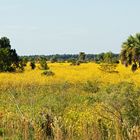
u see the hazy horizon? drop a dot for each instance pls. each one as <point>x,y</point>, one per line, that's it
<point>68,27</point>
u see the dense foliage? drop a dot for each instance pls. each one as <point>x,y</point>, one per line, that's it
<point>8,57</point>
<point>130,53</point>
<point>75,57</point>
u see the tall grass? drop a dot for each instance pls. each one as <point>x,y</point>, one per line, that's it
<point>35,107</point>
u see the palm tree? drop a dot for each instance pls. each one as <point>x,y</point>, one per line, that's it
<point>130,53</point>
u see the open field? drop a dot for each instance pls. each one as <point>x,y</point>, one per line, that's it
<point>69,70</point>
<point>73,74</point>
<point>77,103</point>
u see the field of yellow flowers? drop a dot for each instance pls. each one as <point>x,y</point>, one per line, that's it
<point>77,103</point>
<point>66,72</point>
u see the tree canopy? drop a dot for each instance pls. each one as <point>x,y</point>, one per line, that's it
<point>8,57</point>
<point>130,53</point>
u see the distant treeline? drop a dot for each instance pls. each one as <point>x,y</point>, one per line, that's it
<point>102,57</point>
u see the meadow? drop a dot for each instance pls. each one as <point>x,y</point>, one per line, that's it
<point>77,103</point>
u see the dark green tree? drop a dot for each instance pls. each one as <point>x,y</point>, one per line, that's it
<point>53,59</point>
<point>130,53</point>
<point>108,57</point>
<point>100,57</point>
<point>8,57</point>
<point>82,56</point>
<point>5,43</point>
<point>24,61</point>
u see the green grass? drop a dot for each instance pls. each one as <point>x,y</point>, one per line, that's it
<point>77,111</point>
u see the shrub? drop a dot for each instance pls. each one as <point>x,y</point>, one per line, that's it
<point>48,73</point>
<point>53,59</point>
<point>109,68</point>
<point>92,87</point>
<point>75,63</point>
<point>21,66</point>
<point>43,64</point>
<point>134,67</point>
<point>1,132</point>
<point>32,64</point>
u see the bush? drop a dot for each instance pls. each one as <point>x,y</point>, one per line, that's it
<point>75,63</point>
<point>1,132</point>
<point>53,59</point>
<point>134,67</point>
<point>109,68</point>
<point>43,64</point>
<point>92,87</point>
<point>48,73</point>
<point>32,64</point>
<point>20,67</point>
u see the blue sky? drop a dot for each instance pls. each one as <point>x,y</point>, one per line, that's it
<point>68,26</point>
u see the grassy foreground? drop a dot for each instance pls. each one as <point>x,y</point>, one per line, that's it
<point>77,103</point>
